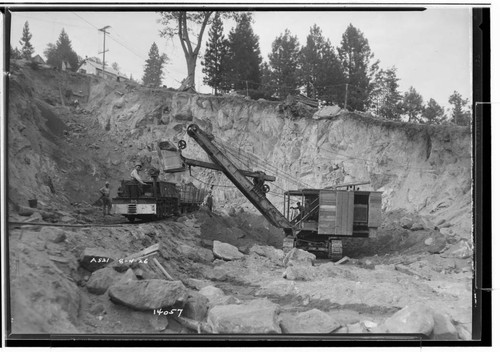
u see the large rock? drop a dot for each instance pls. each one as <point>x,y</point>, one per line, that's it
<point>299,256</point>
<point>417,319</point>
<point>226,251</point>
<point>406,222</point>
<point>148,294</point>
<point>276,255</point>
<point>443,327</point>
<point>300,271</point>
<point>94,259</point>
<point>327,111</point>
<point>196,306</point>
<point>255,317</point>
<point>101,280</point>
<point>461,250</point>
<point>310,322</point>
<point>216,296</point>
<point>196,254</point>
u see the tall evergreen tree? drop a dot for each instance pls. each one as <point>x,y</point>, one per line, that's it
<point>320,69</point>
<point>460,114</point>
<point>356,58</point>
<point>215,64</point>
<point>267,86</point>
<point>26,47</point>
<point>15,53</point>
<point>385,97</point>
<point>61,51</point>
<point>244,55</point>
<point>413,105</point>
<point>153,71</point>
<point>284,62</point>
<point>433,112</point>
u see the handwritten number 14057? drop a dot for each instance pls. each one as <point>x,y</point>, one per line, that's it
<point>167,312</point>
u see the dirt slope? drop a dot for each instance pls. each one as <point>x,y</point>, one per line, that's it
<point>61,155</point>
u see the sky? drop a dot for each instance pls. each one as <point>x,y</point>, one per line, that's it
<point>430,49</point>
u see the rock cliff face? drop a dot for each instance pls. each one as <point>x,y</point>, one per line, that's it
<point>421,169</point>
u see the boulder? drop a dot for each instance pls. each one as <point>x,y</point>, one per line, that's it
<point>416,319</point>
<point>358,328</point>
<point>255,317</point>
<point>406,222</point>
<point>53,234</point>
<point>310,322</point>
<point>299,256</point>
<point>327,111</point>
<point>216,296</point>
<point>276,255</point>
<point>196,306</point>
<point>429,241</point>
<point>463,333</point>
<point>443,327</point>
<point>101,280</point>
<point>300,271</point>
<point>148,294</point>
<point>461,249</point>
<point>226,251</point>
<point>416,227</point>
<point>98,309</point>
<point>159,322</point>
<point>24,211</point>
<point>128,276</point>
<point>197,284</point>
<point>93,259</point>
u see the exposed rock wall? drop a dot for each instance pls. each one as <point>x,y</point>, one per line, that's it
<point>420,168</point>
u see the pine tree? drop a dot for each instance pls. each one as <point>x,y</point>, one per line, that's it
<point>320,70</point>
<point>433,112</point>
<point>413,105</point>
<point>153,71</point>
<point>245,58</point>
<point>26,47</point>
<point>385,98</point>
<point>15,53</point>
<point>61,51</point>
<point>267,86</point>
<point>358,70</point>
<point>459,116</point>
<point>284,62</point>
<point>215,64</point>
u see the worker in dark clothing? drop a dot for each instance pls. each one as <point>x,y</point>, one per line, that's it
<point>209,201</point>
<point>134,175</point>
<point>299,210</point>
<point>106,200</point>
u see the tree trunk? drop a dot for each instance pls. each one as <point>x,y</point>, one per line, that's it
<point>188,82</point>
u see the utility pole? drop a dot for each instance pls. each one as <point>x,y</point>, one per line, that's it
<point>103,30</point>
<point>346,92</point>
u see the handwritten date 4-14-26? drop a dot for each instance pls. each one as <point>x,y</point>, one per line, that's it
<point>167,312</point>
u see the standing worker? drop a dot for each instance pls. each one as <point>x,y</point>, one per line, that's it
<point>209,201</point>
<point>134,175</point>
<point>106,200</point>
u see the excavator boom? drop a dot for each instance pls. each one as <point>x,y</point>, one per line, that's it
<point>249,190</point>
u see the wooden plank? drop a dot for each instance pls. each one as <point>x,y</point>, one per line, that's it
<point>375,209</point>
<point>350,213</point>
<point>341,207</point>
<point>167,275</point>
<point>327,212</point>
<point>145,252</point>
